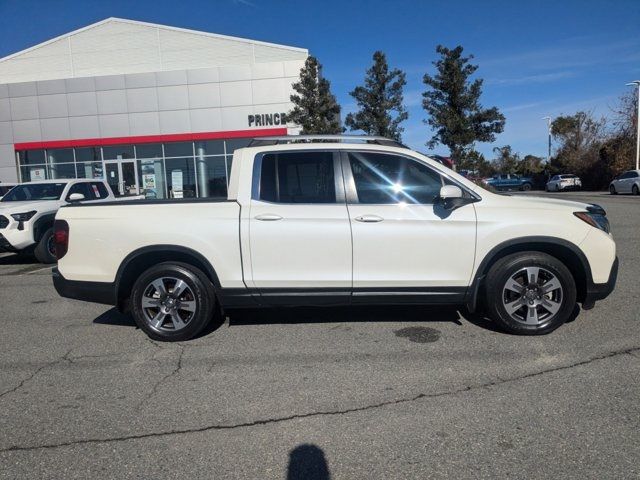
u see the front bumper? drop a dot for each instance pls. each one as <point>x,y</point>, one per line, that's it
<point>600,291</point>
<point>97,292</point>
<point>5,246</point>
<point>13,239</point>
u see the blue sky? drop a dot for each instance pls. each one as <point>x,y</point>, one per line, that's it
<point>537,58</point>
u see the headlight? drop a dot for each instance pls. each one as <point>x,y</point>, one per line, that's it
<point>23,217</point>
<point>596,217</point>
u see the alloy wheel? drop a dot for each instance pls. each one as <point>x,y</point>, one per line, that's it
<point>532,296</point>
<point>51,245</point>
<point>168,304</point>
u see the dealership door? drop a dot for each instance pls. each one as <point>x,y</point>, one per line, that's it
<point>122,177</point>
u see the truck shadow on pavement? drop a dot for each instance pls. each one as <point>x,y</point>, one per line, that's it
<point>348,314</point>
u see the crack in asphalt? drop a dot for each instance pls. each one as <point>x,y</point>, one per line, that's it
<point>156,385</point>
<point>17,448</point>
<point>64,358</point>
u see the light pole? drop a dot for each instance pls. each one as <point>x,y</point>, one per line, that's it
<point>637,84</point>
<point>548,119</point>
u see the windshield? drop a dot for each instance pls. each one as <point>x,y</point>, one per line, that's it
<point>34,191</point>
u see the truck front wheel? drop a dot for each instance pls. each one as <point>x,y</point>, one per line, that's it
<point>530,293</point>
<point>172,301</point>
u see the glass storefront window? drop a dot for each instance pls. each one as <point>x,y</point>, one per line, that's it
<point>151,178</point>
<point>117,152</point>
<point>210,147</point>
<point>149,150</point>
<point>178,149</point>
<point>33,173</point>
<point>212,179</point>
<point>61,170</point>
<point>229,161</point>
<point>234,143</point>
<point>180,177</point>
<point>172,170</point>
<point>60,155</point>
<point>31,157</point>
<point>89,169</point>
<point>89,154</point>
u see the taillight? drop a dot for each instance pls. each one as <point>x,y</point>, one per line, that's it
<point>60,238</point>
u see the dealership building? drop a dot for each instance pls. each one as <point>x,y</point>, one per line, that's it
<point>155,110</point>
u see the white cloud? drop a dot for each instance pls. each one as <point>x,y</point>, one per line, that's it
<point>527,79</point>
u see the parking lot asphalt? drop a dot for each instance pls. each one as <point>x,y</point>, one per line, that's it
<point>321,393</point>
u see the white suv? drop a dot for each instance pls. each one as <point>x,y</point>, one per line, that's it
<point>27,212</point>
<point>337,223</point>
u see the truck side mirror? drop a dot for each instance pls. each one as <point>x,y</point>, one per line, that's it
<point>451,197</point>
<point>76,197</point>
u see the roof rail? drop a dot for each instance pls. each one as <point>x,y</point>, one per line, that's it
<point>262,141</point>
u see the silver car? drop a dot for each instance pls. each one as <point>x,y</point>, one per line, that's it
<point>628,182</point>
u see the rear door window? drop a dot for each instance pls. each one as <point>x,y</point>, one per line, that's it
<point>298,177</point>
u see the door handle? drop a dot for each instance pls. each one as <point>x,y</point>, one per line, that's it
<point>268,217</point>
<point>369,218</point>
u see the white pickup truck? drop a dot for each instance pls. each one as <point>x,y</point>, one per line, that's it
<point>334,221</point>
<point>27,212</point>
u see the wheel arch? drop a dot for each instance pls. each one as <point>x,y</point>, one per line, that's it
<point>143,258</point>
<point>42,224</point>
<point>565,251</point>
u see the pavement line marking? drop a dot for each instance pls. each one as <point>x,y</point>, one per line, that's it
<point>38,270</point>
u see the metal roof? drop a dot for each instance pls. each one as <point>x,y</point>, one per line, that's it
<point>117,46</point>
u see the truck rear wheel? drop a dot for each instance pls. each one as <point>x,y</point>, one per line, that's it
<point>45,249</point>
<point>530,293</point>
<point>172,301</point>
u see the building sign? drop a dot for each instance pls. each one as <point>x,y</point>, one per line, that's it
<point>37,174</point>
<point>267,119</point>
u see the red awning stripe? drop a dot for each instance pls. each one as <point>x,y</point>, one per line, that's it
<point>173,137</point>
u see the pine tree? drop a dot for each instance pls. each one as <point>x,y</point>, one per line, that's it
<point>377,99</point>
<point>453,104</point>
<point>315,108</point>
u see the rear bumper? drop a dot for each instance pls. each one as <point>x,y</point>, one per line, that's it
<point>600,291</point>
<point>97,292</point>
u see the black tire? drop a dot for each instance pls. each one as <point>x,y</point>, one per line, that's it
<point>44,252</point>
<point>526,187</point>
<point>505,268</point>
<point>635,190</point>
<point>612,190</point>
<point>557,187</point>
<point>199,291</point>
